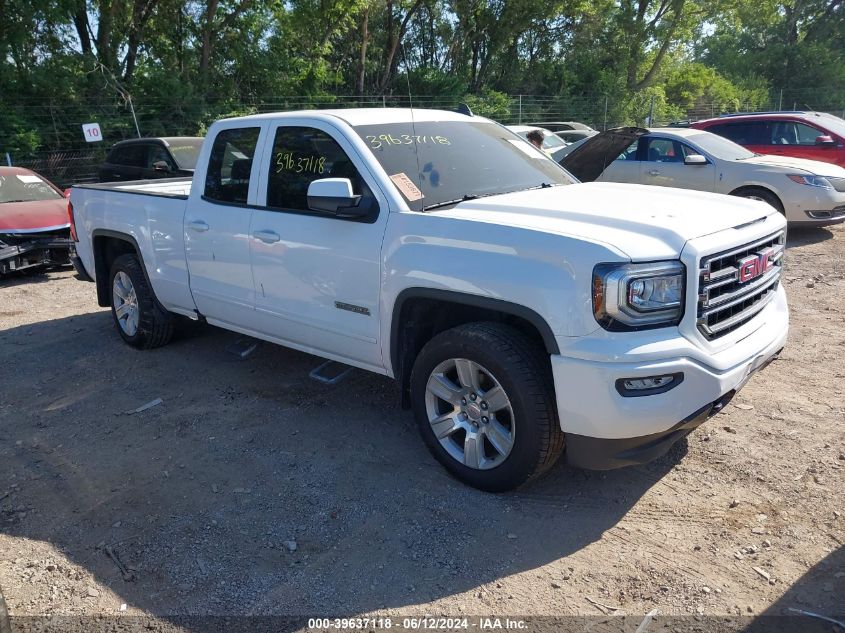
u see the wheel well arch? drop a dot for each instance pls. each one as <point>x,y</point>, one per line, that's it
<point>419,314</point>
<point>108,246</point>
<point>746,188</point>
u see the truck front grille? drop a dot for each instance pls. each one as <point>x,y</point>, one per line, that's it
<point>737,284</point>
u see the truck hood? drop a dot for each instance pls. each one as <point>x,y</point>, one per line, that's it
<point>641,222</point>
<point>33,216</point>
<point>798,165</point>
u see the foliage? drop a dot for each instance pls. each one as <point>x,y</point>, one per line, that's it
<point>183,64</point>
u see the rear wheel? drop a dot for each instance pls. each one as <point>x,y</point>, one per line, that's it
<point>140,321</point>
<point>484,403</point>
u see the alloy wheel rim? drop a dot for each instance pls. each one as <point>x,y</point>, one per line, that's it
<point>470,413</point>
<point>125,302</point>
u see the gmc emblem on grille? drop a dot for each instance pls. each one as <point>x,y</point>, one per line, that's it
<point>755,265</point>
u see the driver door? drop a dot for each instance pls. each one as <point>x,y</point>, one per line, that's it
<point>316,276</point>
<point>664,166</point>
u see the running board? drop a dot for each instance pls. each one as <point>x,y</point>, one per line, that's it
<point>329,375</point>
<point>243,347</point>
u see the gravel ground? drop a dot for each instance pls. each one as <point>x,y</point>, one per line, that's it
<point>252,490</point>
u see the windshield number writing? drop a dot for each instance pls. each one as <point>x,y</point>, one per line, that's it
<point>376,142</point>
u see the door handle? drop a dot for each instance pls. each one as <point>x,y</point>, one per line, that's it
<point>198,225</point>
<point>268,237</point>
<point>654,172</point>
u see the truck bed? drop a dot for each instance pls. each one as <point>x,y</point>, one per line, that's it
<point>166,187</point>
<point>150,213</point>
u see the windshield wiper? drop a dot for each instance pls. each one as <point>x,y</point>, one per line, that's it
<point>5,201</point>
<point>466,197</point>
<point>476,196</point>
<point>543,185</point>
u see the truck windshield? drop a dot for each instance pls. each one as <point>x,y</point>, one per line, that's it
<point>186,151</point>
<point>434,163</point>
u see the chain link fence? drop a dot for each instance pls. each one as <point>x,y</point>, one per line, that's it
<point>48,137</point>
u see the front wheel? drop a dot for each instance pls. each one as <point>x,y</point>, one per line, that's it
<point>764,195</point>
<point>140,321</point>
<point>484,403</point>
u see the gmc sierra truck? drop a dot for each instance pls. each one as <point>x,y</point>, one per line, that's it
<point>520,311</point>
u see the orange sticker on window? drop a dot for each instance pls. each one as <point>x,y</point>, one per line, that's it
<point>407,187</point>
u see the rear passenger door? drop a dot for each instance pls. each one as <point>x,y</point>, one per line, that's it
<point>317,276</point>
<point>217,221</point>
<point>755,136</point>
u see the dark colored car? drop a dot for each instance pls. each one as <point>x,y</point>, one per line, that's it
<point>813,135</point>
<point>147,158</point>
<point>563,126</point>
<point>34,221</point>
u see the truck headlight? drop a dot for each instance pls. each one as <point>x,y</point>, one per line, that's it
<point>632,296</point>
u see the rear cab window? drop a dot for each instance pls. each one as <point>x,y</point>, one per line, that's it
<point>133,155</point>
<point>230,165</point>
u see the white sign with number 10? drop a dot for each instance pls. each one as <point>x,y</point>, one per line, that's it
<point>92,133</point>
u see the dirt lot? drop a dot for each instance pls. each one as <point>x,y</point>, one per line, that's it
<point>253,490</point>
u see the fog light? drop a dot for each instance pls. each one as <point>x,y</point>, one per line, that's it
<point>646,383</point>
<point>649,385</point>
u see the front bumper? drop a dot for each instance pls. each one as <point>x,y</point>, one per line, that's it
<point>23,253</point>
<point>814,207</point>
<point>605,429</point>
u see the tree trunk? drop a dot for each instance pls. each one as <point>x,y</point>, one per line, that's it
<point>207,27</point>
<point>105,25</point>
<point>394,38</point>
<point>142,10</point>
<point>362,59</point>
<point>80,22</point>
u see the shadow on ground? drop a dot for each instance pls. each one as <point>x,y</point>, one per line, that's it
<point>805,236</point>
<point>203,496</point>
<point>815,603</point>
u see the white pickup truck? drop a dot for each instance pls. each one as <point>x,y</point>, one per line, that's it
<point>520,310</point>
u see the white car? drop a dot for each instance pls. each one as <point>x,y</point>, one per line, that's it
<point>807,192</point>
<point>519,310</point>
<point>553,145</point>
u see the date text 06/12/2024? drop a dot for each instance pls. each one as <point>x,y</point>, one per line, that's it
<point>417,623</point>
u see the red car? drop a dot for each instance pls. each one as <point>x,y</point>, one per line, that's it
<point>34,222</point>
<point>814,135</point>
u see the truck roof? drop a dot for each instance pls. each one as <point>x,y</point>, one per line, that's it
<point>166,140</point>
<point>369,116</point>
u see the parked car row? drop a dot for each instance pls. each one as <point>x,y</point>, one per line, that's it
<point>807,192</point>
<point>794,161</point>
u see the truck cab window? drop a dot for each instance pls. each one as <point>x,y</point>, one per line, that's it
<point>132,155</point>
<point>230,165</point>
<point>300,156</point>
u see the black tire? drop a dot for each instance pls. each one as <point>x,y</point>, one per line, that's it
<point>522,369</point>
<point>758,193</point>
<point>155,325</point>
